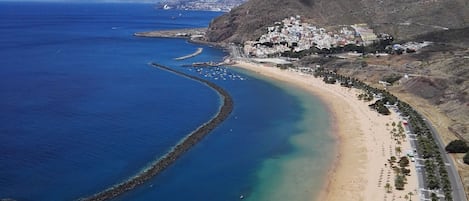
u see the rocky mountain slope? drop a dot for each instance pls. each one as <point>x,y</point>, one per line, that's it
<point>401,18</point>
<point>441,70</point>
<point>435,80</point>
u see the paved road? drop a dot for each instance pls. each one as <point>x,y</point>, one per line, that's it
<point>458,189</point>
<point>456,184</point>
<point>237,52</point>
<point>419,166</point>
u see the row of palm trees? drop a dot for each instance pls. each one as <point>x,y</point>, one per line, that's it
<point>436,173</point>
<point>407,196</point>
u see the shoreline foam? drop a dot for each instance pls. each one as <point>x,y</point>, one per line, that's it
<point>363,141</point>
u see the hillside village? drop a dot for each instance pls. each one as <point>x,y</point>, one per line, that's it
<point>293,34</point>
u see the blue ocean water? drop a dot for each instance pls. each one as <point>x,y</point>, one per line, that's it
<point>81,110</point>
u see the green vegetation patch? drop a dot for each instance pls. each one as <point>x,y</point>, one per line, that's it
<point>457,146</point>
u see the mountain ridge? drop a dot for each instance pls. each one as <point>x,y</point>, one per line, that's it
<point>441,88</point>
<point>402,18</point>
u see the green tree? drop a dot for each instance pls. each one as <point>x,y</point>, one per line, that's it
<point>434,197</point>
<point>466,158</point>
<point>398,151</point>
<point>399,182</point>
<point>392,161</point>
<point>404,162</point>
<point>410,196</point>
<point>433,182</point>
<point>405,171</point>
<point>387,187</point>
<point>457,146</point>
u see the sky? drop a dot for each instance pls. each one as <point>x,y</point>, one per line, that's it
<point>97,1</point>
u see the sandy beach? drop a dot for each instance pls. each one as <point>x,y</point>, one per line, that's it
<point>361,169</point>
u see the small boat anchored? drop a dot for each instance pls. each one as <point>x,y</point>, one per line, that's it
<point>166,7</point>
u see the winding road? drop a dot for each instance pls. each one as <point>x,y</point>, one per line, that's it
<point>453,175</point>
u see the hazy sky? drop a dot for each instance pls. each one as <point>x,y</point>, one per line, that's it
<point>98,1</point>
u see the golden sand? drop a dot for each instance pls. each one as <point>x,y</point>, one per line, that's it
<point>365,144</point>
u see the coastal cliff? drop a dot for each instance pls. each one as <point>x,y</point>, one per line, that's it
<point>402,19</point>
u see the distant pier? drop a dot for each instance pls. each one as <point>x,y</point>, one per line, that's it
<point>193,138</point>
<point>197,52</point>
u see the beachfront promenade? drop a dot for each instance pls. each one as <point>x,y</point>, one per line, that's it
<point>177,151</point>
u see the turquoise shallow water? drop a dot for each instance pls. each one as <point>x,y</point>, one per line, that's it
<point>81,110</point>
<point>300,174</point>
<point>276,146</point>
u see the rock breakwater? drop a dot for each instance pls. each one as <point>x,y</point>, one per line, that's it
<point>177,151</point>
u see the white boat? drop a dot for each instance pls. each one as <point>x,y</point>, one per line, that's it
<point>166,7</point>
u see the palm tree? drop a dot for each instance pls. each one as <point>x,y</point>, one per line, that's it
<point>388,187</point>
<point>398,151</point>
<point>410,196</point>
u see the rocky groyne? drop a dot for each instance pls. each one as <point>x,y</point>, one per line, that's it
<point>183,146</point>
<point>197,52</point>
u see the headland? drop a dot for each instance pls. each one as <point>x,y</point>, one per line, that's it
<point>193,35</point>
<point>176,33</point>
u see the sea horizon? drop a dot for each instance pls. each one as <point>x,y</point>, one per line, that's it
<point>85,104</point>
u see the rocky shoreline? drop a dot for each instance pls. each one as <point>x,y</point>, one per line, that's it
<point>183,146</point>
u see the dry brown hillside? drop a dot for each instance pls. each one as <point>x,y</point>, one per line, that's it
<point>437,86</point>
<point>401,18</point>
<point>441,70</point>
<point>437,82</point>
